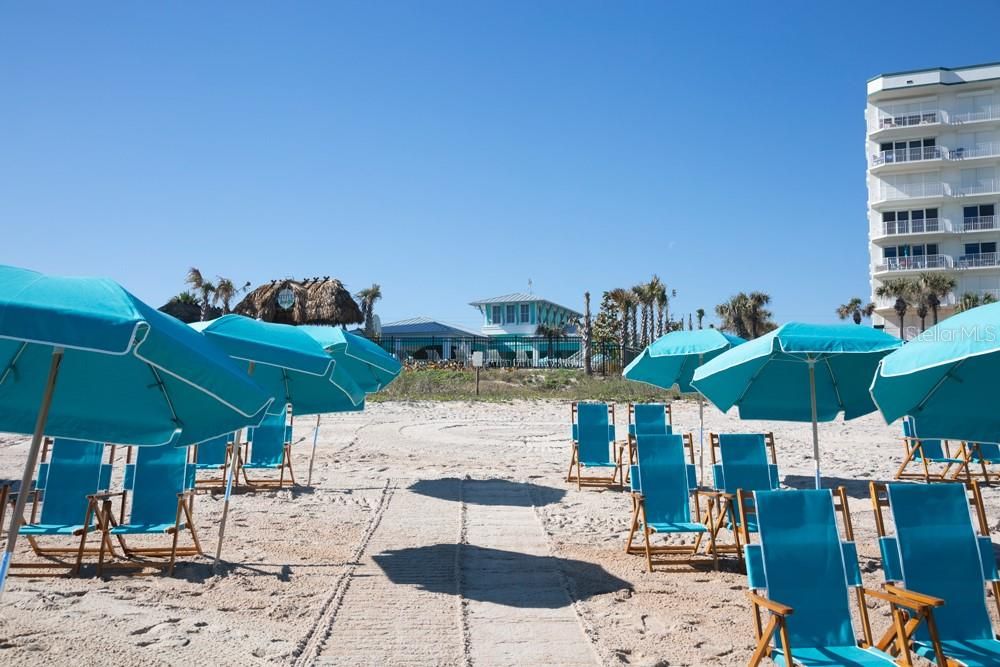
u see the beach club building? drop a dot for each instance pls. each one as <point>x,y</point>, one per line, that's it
<point>933,172</point>
<point>521,314</point>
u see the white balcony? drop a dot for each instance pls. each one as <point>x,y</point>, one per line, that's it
<point>979,223</point>
<point>987,150</point>
<point>982,260</point>
<point>900,155</point>
<point>930,189</point>
<point>916,226</point>
<point>915,263</point>
<point>908,120</point>
<point>987,186</point>
<point>991,113</point>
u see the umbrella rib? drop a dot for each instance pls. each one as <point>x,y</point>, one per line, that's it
<point>284,378</point>
<point>752,380</point>
<point>166,396</point>
<point>929,395</point>
<point>13,362</point>
<point>833,379</point>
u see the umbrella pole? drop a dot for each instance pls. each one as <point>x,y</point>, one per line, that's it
<point>812,402</point>
<point>701,429</point>
<point>233,470</point>
<point>29,466</point>
<point>312,458</point>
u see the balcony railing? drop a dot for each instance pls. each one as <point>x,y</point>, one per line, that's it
<point>915,263</point>
<point>912,190</point>
<point>907,155</point>
<point>991,149</point>
<point>989,113</point>
<point>979,260</point>
<point>909,120</point>
<point>979,223</point>
<point>917,226</point>
<point>986,186</point>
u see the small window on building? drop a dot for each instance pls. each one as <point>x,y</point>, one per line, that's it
<point>496,315</point>
<point>525,314</point>
<point>511,314</point>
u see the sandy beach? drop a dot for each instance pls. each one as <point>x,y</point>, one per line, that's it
<point>434,534</point>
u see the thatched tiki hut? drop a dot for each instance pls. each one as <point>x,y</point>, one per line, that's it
<point>312,301</point>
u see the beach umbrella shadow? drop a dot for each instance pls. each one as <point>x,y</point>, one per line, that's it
<point>507,578</point>
<point>856,488</point>
<point>489,492</point>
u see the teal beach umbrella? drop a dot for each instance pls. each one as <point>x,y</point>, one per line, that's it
<point>356,359</point>
<point>287,362</point>
<point>798,372</point>
<point>671,360</point>
<point>83,358</point>
<point>946,378</point>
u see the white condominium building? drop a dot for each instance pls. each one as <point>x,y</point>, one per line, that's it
<point>933,153</point>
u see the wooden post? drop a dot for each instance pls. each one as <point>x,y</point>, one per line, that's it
<point>233,469</point>
<point>309,479</point>
<point>29,467</point>
<point>477,380</point>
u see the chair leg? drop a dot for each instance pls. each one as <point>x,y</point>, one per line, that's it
<point>177,534</point>
<point>633,527</point>
<point>711,537</point>
<point>191,528</point>
<point>83,537</point>
<point>645,534</point>
<point>572,462</point>
<point>291,472</point>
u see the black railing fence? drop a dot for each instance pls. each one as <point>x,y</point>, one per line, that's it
<point>511,351</point>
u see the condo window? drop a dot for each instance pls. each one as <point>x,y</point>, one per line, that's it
<point>524,313</point>
<point>511,314</point>
<point>980,248</point>
<point>981,211</point>
<point>496,315</point>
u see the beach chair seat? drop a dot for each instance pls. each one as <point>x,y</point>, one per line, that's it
<point>213,455</point>
<point>157,500</point>
<point>935,553</point>
<point>70,473</point>
<point>800,575</point>
<point>929,455</point>
<point>741,464</point>
<point>662,503</point>
<point>270,449</point>
<point>594,446</point>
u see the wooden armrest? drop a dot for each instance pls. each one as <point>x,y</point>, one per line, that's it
<point>770,605</point>
<point>913,596</point>
<point>105,496</point>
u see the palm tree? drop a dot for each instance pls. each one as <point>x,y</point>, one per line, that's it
<point>185,297</point>
<point>634,318</point>
<point>662,300</point>
<point>856,309</point>
<point>204,288</point>
<point>225,290</point>
<point>587,330</point>
<point>700,314</point>
<point>922,310</point>
<point>972,300</point>
<point>732,314</point>
<point>901,289</point>
<point>622,299</point>
<point>644,297</point>
<point>758,317</point>
<point>368,297</point>
<point>934,287</point>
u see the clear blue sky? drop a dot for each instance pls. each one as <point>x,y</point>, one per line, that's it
<point>452,151</point>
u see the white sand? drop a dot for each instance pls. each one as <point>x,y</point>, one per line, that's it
<point>436,534</point>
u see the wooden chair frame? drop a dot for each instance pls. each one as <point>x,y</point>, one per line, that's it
<point>215,483</point>
<point>286,462</point>
<point>970,449</point>
<point>904,632</point>
<point>675,553</point>
<point>616,479</point>
<point>36,497</point>
<point>892,641</point>
<point>737,506</point>
<point>106,521</point>
<point>914,446</point>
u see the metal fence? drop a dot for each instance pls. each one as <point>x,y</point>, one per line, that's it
<point>509,352</point>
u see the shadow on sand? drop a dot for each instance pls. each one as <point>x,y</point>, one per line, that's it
<point>856,488</point>
<point>501,577</point>
<point>489,492</point>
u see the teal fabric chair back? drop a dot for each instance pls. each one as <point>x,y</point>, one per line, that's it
<point>650,419</point>
<point>268,442</point>
<point>212,453</point>
<point>804,565</point>
<point>73,471</point>
<point>988,451</point>
<point>594,433</point>
<point>939,556</point>
<point>663,478</point>
<point>744,463</point>
<point>929,449</point>
<point>155,479</point>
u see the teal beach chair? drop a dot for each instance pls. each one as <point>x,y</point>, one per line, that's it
<point>646,419</point>
<point>741,464</point>
<point>926,453</point>
<point>800,574</point>
<point>70,474</point>
<point>662,503</point>
<point>982,455</point>
<point>157,499</point>
<point>270,449</point>
<point>594,444</point>
<point>934,554</point>
<point>213,455</point>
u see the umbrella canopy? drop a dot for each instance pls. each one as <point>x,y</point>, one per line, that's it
<point>945,378</point>
<point>82,358</point>
<point>369,366</point>
<point>289,363</point>
<point>128,374</point>
<point>798,372</point>
<point>671,359</point>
